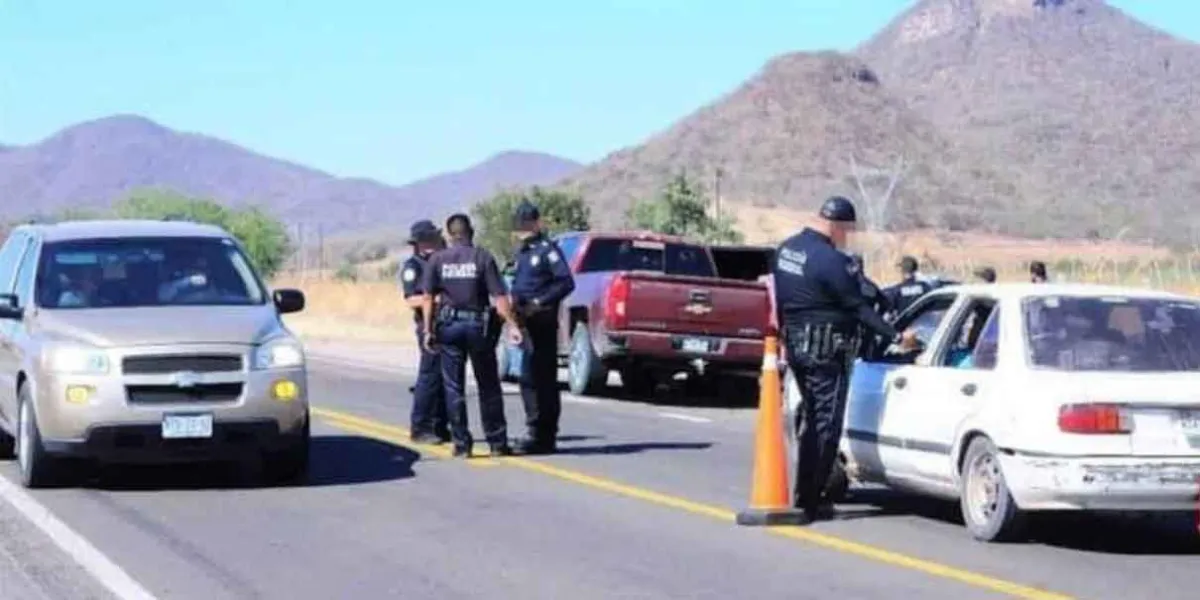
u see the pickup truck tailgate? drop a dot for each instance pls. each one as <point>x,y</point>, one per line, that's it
<point>697,305</point>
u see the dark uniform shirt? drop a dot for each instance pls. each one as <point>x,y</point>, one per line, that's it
<point>542,275</point>
<point>903,294</point>
<point>814,282</point>
<point>412,280</point>
<point>466,276</point>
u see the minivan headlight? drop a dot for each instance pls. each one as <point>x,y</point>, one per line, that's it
<point>76,361</point>
<point>278,355</point>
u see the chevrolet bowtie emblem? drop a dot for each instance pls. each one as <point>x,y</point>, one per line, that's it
<point>186,379</point>
<point>697,309</point>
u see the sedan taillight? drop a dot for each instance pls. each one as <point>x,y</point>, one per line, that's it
<point>1093,419</point>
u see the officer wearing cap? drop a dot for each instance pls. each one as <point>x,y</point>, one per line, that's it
<point>428,420</point>
<point>1037,272</point>
<point>986,275</point>
<point>467,277</point>
<point>821,306</point>
<point>910,288</point>
<point>541,282</point>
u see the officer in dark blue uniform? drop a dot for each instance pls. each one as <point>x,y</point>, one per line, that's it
<point>542,280</point>
<point>428,420</point>
<point>467,277</point>
<point>821,305</point>
<point>910,288</point>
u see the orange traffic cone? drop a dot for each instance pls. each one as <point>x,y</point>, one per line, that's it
<point>769,501</point>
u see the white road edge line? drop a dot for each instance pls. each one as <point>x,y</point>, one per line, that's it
<point>682,417</point>
<point>106,572</point>
<point>581,400</point>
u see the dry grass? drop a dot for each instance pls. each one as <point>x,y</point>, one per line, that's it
<point>367,310</point>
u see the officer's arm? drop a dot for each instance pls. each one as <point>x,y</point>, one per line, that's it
<point>431,285</point>
<point>494,284</point>
<point>410,285</point>
<point>843,279</point>
<point>562,283</point>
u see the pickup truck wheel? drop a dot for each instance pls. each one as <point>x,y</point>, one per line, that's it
<point>585,374</point>
<point>988,508</point>
<point>38,468</point>
<point>504,361</point>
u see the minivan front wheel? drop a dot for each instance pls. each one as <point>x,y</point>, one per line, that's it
<point>38,468</point>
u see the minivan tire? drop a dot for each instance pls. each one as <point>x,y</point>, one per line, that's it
<point>290,465</point>
<point>38,468</point>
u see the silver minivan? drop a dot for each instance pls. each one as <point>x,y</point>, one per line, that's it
<point>145,342</point>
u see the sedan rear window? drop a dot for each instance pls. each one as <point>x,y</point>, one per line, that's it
<point>1082,333</point>
<point>646,255</point>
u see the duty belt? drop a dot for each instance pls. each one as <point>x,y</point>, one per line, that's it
<point>461,314</point>
<point>823,341</point>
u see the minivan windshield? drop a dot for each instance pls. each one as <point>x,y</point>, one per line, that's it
<point>1119,333</point>
<point>130,272</point>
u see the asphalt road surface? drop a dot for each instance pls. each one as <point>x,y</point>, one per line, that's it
<point>639,505</point>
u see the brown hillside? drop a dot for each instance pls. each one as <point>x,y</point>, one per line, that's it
<point>1080,105</point>
<point>786,136</point>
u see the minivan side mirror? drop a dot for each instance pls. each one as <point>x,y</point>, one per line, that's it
<point>288,301</point>
<point>10,307</point>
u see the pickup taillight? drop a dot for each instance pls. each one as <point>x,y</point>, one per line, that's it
<point>1093,418</point>
<point>615,309</point>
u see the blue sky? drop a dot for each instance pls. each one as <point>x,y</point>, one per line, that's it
<point>399,90</point>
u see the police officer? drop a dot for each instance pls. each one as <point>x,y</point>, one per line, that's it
<point>910,288</point>
<point>466,277</point>
<point>428,420</point>
<point>875,296</point>
<point>986,275</point>
<point>820,306</point>
<point>541,282</point>
<point>1037,272</point>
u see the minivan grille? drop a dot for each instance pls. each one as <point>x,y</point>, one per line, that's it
<point>166,364</point>
<point>208,393</point>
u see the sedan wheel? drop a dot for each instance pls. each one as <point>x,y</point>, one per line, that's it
<point>988,508</point>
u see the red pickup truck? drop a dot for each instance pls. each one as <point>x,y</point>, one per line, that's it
<point>651,306</point>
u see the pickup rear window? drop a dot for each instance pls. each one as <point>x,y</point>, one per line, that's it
<point>643,255</point>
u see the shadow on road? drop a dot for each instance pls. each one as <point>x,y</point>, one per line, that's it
<point>682,397</point>
<point>1168,534</point>
<point>633,448</point>
<point>335,460</point>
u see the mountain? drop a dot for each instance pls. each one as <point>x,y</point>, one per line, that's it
<point>788,137</point>
<point>1084,108</point>
<point>91,164</point>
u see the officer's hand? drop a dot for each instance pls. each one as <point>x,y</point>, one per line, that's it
<point>430,343</point>
<point>909,341</point>
<point>514,336</point>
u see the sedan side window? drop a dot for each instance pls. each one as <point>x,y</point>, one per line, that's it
<point>988,348</point>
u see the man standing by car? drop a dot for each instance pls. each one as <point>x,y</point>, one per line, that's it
<point>910,288</point>
<point>541,282</point>
<point>428,420</point>
<point>820,307</point>
<point>466,277</point>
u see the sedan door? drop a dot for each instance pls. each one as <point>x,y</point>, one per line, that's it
<point>867,442</point>
<point>953,382</point>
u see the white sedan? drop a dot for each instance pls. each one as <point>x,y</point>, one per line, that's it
<point>1034,397</point>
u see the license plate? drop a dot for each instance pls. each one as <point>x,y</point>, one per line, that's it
<point>695,345</point>
<point>1189,423</point>
<point>176,427</point>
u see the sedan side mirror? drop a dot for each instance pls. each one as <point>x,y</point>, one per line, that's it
<point>10,308</point>
<point>288,301</point>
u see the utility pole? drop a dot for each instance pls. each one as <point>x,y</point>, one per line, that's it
<point>877,207</point>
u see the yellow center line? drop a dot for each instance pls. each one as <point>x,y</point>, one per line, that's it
<point>399,436</point>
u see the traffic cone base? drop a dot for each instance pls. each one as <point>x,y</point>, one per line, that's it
<point>771,517</point>
<point>769,499</point>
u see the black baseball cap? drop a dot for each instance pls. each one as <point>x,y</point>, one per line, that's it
<point>908,264</point>
<point>526,212</point>
<point>839,210</point>
<point>987,274</point>
<point>423,231</point>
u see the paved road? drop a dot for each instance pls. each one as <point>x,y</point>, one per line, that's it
<point>639,505</point>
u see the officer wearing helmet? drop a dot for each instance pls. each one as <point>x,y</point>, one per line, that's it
<point>821,306</point>
<point>468,280</point>
<point>428,422</point>
<point>541,282</point>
